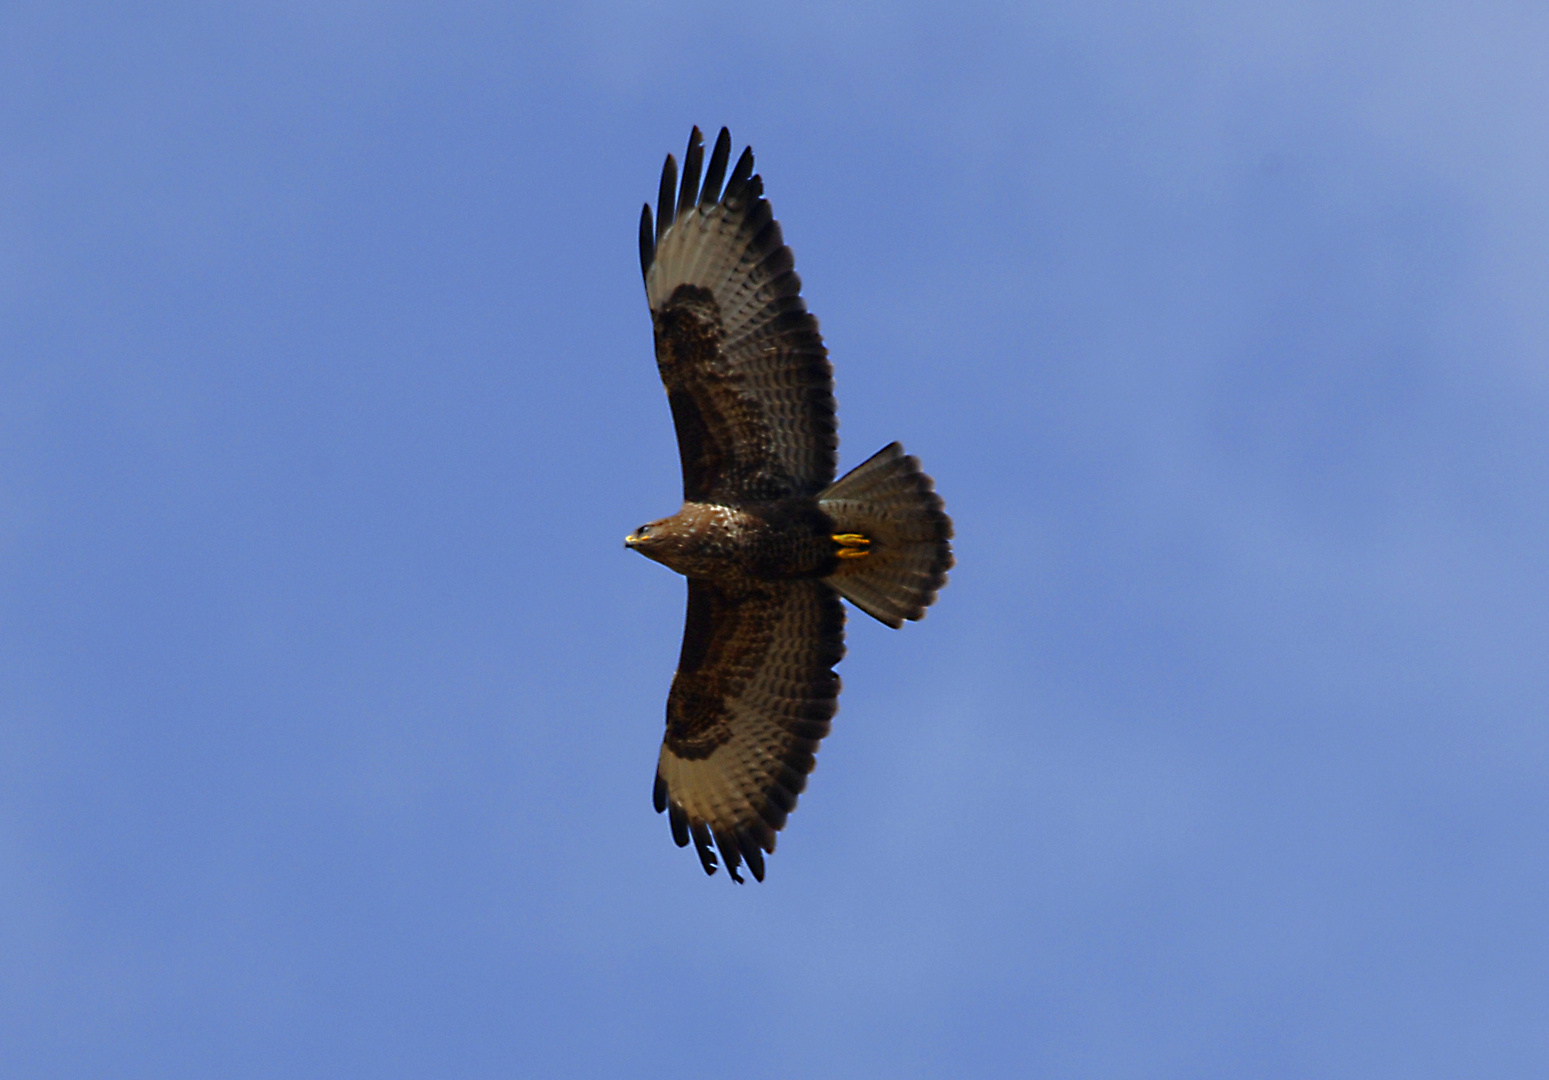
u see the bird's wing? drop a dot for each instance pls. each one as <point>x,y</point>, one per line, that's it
<point>753,697</point>
<point>747,376</point>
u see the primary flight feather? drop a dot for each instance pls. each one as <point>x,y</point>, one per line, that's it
<point>768,541</point>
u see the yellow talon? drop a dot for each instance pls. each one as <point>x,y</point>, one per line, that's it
<point>851,545</point>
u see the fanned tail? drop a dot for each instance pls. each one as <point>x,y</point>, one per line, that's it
<point>900,554</point>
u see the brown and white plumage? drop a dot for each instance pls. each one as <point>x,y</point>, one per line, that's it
<point>752,698</point>
<point>748,379</point>
<point>768,541</point>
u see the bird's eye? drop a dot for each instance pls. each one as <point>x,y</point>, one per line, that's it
<point>642,530</point>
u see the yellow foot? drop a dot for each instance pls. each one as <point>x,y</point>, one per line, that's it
<point>851,545</point>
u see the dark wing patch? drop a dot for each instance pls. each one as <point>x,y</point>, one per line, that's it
<point>753,697</point>
<point>739,353</point>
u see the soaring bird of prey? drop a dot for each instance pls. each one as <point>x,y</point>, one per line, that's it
<point>768,540</point>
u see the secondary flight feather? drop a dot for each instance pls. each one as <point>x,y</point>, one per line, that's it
<point>768,540</point>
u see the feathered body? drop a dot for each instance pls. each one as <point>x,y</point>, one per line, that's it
<point>780,540</point>
<point>767,540</point>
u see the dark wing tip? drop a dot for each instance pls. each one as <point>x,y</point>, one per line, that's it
<point>678,820</point>
<point>664,196</point>
<point>647,240</point>
<point>715,172</point>
<point>739,175</point>
<point>674,198</point>
<point>730,854</point>
<point>748,844</point>
<point>702,842</point>
<point>688,192</point>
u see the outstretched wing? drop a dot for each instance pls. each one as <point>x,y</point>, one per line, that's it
<point>747,376</point>
<point>753,697</point>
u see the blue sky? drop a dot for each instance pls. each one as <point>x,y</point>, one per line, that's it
<point>329,698</point>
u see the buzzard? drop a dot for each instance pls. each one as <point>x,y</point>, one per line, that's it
<point>768,540</point>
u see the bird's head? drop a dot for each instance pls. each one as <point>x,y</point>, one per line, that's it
<point>676,542</point>
<point>653,540</point>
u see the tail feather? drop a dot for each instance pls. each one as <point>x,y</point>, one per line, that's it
<point>889,501</point>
